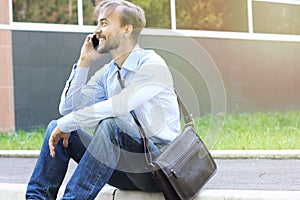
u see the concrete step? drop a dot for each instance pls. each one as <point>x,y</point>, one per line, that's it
<point>17,192</point>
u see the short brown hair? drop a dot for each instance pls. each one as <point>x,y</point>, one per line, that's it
<point>131,14</point>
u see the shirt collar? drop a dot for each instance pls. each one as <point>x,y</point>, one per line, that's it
<point>132,61</point>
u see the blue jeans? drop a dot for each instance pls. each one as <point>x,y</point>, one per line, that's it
<point>113,155</point>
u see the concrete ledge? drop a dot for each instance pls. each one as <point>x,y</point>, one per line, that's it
<point>12,191</point>
<point>218,154</point>
<point>17,192</point>
<point>20,153</point>
<point>217,195</point>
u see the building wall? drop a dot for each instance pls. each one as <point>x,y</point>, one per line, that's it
<point>258,76</point>
<point>6,76</point>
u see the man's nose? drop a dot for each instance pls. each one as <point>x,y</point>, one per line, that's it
<point>98,30</point>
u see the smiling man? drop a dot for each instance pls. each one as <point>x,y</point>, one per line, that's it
<point>114,153</point>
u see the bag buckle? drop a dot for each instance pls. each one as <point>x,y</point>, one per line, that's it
<point>174,173</point>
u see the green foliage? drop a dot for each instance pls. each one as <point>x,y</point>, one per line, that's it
<point>88,13</point>
<point>45,11</point>
<point>215,15</point>
<point>225,15</point>
<point>157,12</point>
<point>200,14</point>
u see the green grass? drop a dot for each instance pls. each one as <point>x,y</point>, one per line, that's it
<point>21,140</point>
<point>258,131</point>
<point>232,131</point>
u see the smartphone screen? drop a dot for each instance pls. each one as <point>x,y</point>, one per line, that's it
<point>95,41</point>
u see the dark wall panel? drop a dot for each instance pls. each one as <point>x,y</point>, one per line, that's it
<point>256,75</point>
<point>42,62</point>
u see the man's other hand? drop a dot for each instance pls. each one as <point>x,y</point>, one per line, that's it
<point>56,135</point>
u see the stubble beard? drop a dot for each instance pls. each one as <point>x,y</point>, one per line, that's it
<point>108,45</point>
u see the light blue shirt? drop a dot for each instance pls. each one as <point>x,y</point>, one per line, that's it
<point>148,91</point>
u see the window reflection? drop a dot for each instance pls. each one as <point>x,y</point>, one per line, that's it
<point>45,11</point>
<point>218,15</point>
<point>212,15</point>
<point>88,12</point>
<point>157,12</point>
<point>276,18</point>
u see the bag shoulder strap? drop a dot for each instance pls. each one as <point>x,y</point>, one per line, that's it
<point>186,116</point>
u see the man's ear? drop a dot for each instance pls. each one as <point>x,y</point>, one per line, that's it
<point>128,30</point>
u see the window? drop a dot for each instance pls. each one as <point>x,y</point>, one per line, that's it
<point>157,12</point>
<point>276,18</point>
<point>45,11</point>
<point>217,15</point>
<point>88,12</point>
<point>236,17</point>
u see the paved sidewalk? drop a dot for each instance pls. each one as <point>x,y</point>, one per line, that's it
<point>233,174</point>
<point>242,179</point>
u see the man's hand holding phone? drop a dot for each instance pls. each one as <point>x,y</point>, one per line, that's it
<point>88,51</point>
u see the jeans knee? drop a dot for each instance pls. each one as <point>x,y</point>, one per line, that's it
<point>53,123</point>
<point>107,122</point>
<point>107,125</point>
<point>107,128</point>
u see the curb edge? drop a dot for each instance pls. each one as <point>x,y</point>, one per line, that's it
<point>218,154</point>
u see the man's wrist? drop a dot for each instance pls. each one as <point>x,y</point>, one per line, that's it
<point>80,75</point>
<point>83,63</point>
<point>65,124</point>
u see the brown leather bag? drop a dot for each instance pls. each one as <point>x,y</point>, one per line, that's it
<point>185,166</point>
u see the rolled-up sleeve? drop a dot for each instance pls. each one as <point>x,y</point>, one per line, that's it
<point>86,118</point>
<point>70,97</point>
<point>78,94</point>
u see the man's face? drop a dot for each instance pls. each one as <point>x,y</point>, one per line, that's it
<point>109,31</point>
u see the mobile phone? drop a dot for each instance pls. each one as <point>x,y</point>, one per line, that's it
<point>95,41</point>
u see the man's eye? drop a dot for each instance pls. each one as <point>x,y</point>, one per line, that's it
<point>103,23</point>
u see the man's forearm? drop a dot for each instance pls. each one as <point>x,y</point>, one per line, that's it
<point>87,117</point>
<point>70,98</point>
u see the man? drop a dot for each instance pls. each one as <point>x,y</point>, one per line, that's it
<point>114,153</point>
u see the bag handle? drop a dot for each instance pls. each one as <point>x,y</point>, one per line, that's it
<point>186,116</point>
